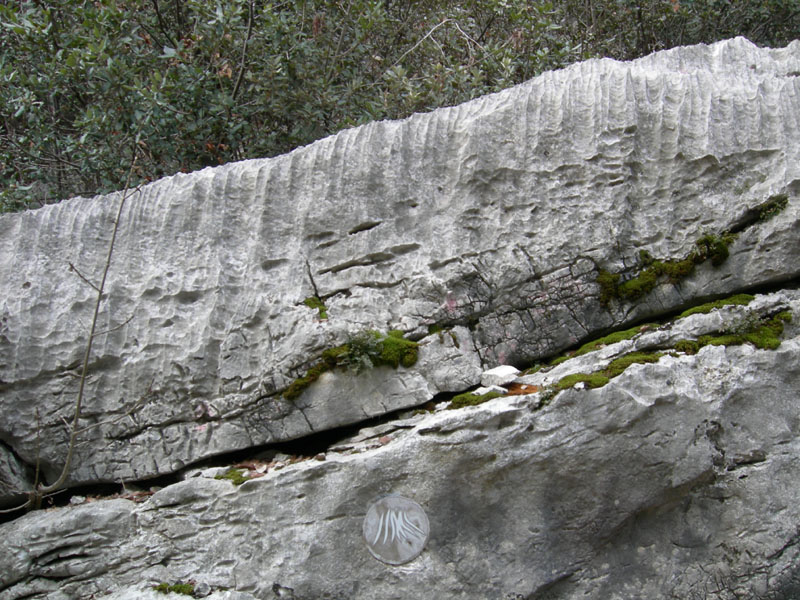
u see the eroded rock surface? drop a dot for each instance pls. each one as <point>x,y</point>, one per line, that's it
<point>677,479</point>
<point>496,216</point>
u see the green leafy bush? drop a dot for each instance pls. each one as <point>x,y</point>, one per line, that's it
<point>190,83</point>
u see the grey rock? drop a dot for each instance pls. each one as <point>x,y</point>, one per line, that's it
<point>675,480</point>
<point>495,216</point>
<point>499,375</point>
<point>14,480</point>
<point>665,337</point>
<point>147,593</point>
<point>488,389</point>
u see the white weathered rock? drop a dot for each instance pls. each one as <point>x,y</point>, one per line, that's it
<point>677,478</point>
<point>480,391</point>
<point>499,375</point>
<point>496,215</point>
<point>665,337</point>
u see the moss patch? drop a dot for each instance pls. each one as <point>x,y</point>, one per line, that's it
<point>687,346</point>
<point>763,334</point>
<point>470,399</point>
<point>362,351</point>
<point>773,206</point>
<point>736,300</point>
<point>603,376</point>
<point>394,350</point>
<point>592,380</point>
<point>235,476</point>
<point>317,304</point>
<point>618,365</point>
<point>613,338</point>
<point>651,271</point>
<point>176,588</point>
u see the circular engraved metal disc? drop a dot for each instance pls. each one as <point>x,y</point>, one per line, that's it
<point>396,530</point>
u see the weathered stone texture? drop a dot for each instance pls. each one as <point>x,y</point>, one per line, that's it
<point>675,480</point>
<point>495,215</point>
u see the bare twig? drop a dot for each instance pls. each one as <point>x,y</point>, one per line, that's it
<point>115,328</point>
<point>39,491</point>
<point>161,24</point>
<point>415,46</point>
<point>244,52</point>
<point>134,407</point>
<point>84,372</point>
<point>84,279</point>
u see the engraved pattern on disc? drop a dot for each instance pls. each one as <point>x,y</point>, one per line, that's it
<point>396,530</point>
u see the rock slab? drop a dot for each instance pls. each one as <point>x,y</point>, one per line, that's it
<point>494,217</point>
<point>678,479</point>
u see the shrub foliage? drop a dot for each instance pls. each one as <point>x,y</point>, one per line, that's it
<point>193,83</point>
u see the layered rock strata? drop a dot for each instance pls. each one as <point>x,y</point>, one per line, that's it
<point>677,479</point>
<point>497,216</point>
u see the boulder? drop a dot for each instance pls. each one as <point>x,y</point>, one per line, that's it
<point>499,375</point>
<point>676,479</point>
<point>521,223</point>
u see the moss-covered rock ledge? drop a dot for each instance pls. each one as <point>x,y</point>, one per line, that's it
<point>724,322</point>
<point>362,351</point>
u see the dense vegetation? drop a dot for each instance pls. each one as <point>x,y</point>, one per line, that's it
<point>185,84</point>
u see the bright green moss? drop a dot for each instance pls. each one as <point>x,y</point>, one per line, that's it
<point>608,282</point>
<point>332,356</point>
<point>618,365</point>
<point>299,385</point>
<point>764,338</point>
<point>736,300</point>
<point>470,399</point>
<point>767,336</point>
<point>395,351</point>
<point>708,247</point>
<point>764,335</point>
<point>235,476</point>
<point>612,338</point>
<point>534,369</point>
<point>638,286</point>
<point>592,380</point>
<point>687,346</point>
<point>365,350</point>
<point>317,304</point>
<point>176,588</point>
<point>560,359</point>
<point>713,247</point>
<point>728,339</point>
<point>676,270</point>
<point>615,368</point>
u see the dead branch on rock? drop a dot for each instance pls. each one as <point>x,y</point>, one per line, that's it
<point>40,491</point>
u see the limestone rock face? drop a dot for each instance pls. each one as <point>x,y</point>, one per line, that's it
<point>495,217</point>
<point>678,479</point>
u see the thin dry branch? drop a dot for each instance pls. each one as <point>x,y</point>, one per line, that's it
<point>115,328</point>
<point>75,270</point>
<point>39,491</point>
<point>85,370</point>
<point>244,52</point>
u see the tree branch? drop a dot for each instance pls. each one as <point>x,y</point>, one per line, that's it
<point>244,52</point>
<point>42,490</point>
<point>75,270</point>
